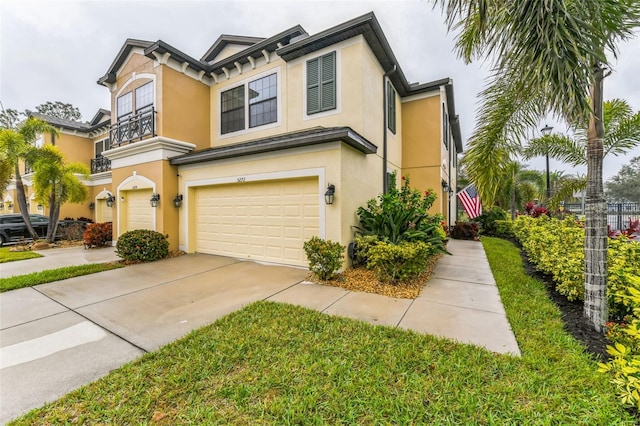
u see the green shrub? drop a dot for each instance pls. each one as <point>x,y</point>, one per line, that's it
<point>488,218</point>
<point>394,263</point>
<point>624,366</point>
<point>465,231</point>
<point>364,243</point>
<point>504,228</point>
<point>324,256</point>
<point>623,271</point>
<point>402,215</point>
<point>142,245</point>
<point>98,234</point>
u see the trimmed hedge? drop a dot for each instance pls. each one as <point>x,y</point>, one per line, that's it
<point>142,245</point>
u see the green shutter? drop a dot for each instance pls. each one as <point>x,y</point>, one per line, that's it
<point>321,83</point>
<point>328,81</point>
<point>313,86</point>
<point>391,108</point>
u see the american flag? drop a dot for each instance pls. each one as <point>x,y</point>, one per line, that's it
<point>470,201</point>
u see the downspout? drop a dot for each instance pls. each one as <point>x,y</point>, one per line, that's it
<point>384,129</point>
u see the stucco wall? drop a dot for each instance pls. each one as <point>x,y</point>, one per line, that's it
<point>185,108</point>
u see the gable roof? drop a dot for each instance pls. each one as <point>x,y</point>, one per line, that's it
<point>100,115</point>
<point>127,47</point>
<point>226,39</point>
<point>269,44</point>
<point>368,26</point>
<point>161,48</point>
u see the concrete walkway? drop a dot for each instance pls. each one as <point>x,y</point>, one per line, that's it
<point>56,337</point>
<point>461,302</point>
<point>58,258</point>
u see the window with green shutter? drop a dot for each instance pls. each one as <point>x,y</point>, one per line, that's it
<point>391,108</point>
<point>321,83</point>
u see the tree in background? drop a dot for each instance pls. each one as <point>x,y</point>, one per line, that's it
<point>14,146</point>
<point>621,134</point>
<point>519,185</point>
<point>9,118</point>
<point>56,182</point>
<point>60,110</point>
<point>546,57</point>
<point>625,186</point>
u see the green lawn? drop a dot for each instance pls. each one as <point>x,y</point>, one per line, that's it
<point>35,278</point>
<point>10,256</point>
<point>278,364</point>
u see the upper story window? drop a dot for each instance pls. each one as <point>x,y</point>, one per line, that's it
<point>391,108</point>
<point>445,128</point>
<point>144,96</point>
<point>263,101</point>
<point>100,147</point>
<point>321,83</point>
<point>260,95</point>
<point>128,103</point>
<point>124,105</point>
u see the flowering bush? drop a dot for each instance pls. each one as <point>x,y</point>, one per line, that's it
<point>142,245</point>
<point>324,256</point>
<point>98,234</point>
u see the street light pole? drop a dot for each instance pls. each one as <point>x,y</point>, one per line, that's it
<point>546,131</point>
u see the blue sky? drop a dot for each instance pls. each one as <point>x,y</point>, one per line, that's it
<point>56,50</point>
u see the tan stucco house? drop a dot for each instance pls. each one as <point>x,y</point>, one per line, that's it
<point>237,150</point>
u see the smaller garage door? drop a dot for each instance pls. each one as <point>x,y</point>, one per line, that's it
<point>104,212</point>
<point>267,220</point>
<point>139,210</point>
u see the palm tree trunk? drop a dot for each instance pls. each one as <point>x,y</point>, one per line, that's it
<point>54,215</point>
<point>22,203</point>
<point>595,248</point>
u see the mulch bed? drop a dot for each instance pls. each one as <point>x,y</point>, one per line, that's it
<point>572,314</point>
<point>362,279</point>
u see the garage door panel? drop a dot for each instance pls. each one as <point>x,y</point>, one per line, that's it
<point>139,211</point>
<point>267,220</point>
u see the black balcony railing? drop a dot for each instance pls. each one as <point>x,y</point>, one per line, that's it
<point>99,165</point>
<point>133,128</point>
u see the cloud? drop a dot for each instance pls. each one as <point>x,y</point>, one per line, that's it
<point>56,50</point>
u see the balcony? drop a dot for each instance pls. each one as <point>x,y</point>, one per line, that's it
<point>133,128</point>
<point>99,165</point>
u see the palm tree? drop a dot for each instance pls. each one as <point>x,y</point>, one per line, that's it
<point>14,144</point>
<point>547,57</point>
<point>56,182</point>
<point>621,134</point>
<point>519,185</point>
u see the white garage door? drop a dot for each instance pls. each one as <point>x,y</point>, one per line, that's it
<point>139,210</point>
<point>267,220</point>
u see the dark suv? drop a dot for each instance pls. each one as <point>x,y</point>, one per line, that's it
<point>13,228</point>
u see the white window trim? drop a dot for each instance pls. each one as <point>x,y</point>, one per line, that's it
<point>338,108</point>
<point>134,77</point>
<point>245,82</point>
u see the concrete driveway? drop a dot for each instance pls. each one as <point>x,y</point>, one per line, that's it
<point>57,337</point>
